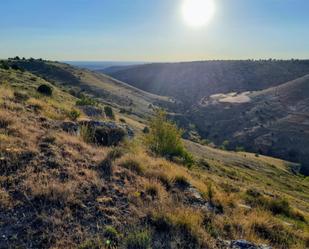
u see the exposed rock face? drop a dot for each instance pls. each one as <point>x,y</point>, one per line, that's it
<point>105,133</point>
<point>92,111</point>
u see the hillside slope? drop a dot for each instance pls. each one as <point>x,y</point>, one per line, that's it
<point>59,191</point>
<point>273,122</point>
<point>104,88</point>
<point>189,82</point>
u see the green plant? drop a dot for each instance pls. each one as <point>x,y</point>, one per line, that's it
<point>91,244</point>
<point>138,240</point>
<point>109,112</point>
<point>74,114</point>
<point>225,145</point>
<point>112,235</point>
<point>146,130</point>
<point>4,65</point>
<point>45,90</point>
<point>164,139</point>
<point>86,132</point>
<point>85,100</point>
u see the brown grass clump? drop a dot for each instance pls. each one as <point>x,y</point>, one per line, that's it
<point>5,119</point>
<point>132,163</point>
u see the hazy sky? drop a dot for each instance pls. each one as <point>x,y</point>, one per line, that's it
<point>152,30</point>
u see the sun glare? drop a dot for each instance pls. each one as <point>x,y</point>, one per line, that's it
<point>197,13</point>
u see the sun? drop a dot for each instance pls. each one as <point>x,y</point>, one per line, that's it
<point>197,13</point>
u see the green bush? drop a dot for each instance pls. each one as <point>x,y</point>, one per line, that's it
<point>74,114</point>
<point>4,65</point>
<point>109,112</point>
<point>138,240</point>
<point>112,235</point>
<point>164,139</point>
<point>85,100</point>
<point>146,130</point>
<point>45,90</point>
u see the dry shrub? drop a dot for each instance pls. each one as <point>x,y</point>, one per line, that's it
<point>44,188</point>
<point>5,120</point>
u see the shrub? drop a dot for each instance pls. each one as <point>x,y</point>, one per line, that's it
<point>74,114</point>
<point>109,112</point>
<point>138,240</point>
<point>45,90</point>
<point>5,120</point>
<point>87,133</point>
<point>111,234</point>
<point>85,100</point>
<point>276,234</point>
<point>4,65</point>
<point>122,120</point>
<point>164,139</point>
<point>146,130</point>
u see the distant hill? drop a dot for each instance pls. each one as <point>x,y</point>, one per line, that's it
<point>245,104</point>
<point>100,65</point>
<point>191,81</point>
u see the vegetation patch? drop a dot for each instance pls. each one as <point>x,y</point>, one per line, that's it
<point>139,240</point>
<point>164,139</point>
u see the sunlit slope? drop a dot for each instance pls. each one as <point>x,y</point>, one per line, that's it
<point>101,86</point>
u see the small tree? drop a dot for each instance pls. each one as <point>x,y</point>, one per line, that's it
<point>164,138</point>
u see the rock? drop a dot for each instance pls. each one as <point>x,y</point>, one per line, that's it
<point>70,127</point>
<point>109,136</point>
<point>243,244</point>
<point>92,111</point>
<point>106,133</point>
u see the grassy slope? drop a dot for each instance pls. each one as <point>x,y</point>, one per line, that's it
<point>55,194</point>
<point>103,87</point>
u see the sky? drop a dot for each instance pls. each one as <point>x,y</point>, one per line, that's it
<point>152,30</point>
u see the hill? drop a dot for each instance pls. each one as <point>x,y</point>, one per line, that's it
<point>270,122</point>
<point>247,104</point>
<point>102,87</point>
<point>189,82</point>
<point>60,190</point>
